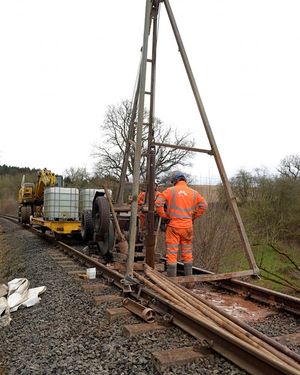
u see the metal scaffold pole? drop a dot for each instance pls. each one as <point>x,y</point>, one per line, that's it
<point>138,144</point>
<point>131,131</point>
<point>151,154</point>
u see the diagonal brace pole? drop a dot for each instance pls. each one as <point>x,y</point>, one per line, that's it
<point>230,197</point>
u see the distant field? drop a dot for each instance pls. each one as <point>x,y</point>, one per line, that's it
<point>209,192</point>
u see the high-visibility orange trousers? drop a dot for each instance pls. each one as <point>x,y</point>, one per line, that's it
<point>179,238</point>
<point>142,220</point>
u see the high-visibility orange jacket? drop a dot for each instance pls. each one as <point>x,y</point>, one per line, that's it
<point>141,198</point>
<point>142,195</point>
<point>183,204</point>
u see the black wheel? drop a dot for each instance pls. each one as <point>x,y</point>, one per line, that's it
<point>86,225</point>
<point>25,216</point>
<point>107,244</point>
<point>28,214</point>
<point>101,215</point>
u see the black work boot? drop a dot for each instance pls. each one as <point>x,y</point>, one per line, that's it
<point>188,271</point>
<point>172,270</point>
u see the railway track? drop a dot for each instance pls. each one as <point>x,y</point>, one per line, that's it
<point>258,355</point>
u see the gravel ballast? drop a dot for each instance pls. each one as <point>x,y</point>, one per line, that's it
<point>66,333</point>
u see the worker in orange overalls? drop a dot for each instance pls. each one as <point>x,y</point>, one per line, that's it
<point>183,206</point>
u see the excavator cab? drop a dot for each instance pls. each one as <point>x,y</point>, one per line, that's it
<point>26,198</point>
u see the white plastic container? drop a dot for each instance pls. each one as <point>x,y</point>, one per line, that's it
<point>91,273</point>
<point>86,197</point>
<point>61,203</point>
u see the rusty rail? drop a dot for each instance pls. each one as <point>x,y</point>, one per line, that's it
<point>257,293</point>
<point>261,358</point>
<point>246,352</point>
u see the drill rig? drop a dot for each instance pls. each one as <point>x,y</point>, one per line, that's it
<point>137,125</point>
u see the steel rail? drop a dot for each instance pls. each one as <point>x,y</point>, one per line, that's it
<point>236,350</point>
<point>280,301</point>
<point>111,275</point>
<point>253,331</point>
<point>218,316</point>
<point>241,354</point>
<point>257,293</point>
<point>277,300</point>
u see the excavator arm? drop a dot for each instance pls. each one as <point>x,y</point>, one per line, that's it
<point>44,178</point>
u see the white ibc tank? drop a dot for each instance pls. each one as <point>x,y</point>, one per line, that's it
<point>61,203</point>
<point>86,197</point>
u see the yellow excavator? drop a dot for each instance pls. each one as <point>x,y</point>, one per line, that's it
<point>31,195</point>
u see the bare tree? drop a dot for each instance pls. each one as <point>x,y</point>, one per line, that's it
<point>167,177</point>
<point>290,166</point>
<point>76,177</point>
<point>110,153</point>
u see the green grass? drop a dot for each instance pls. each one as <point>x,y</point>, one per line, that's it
<point>277,271</point>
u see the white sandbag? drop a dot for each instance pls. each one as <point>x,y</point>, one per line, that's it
<point>16,299</point>
<point>17,293</point>
<point>33,296</point>
<point>3,290</point>
<point>19,285</point>
<point>3,305</point>
<point>4,312</point>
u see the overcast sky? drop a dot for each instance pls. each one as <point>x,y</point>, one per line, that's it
<point>63,62</point>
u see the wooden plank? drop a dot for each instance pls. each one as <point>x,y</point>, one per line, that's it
<point>70,267</point>
<point>211,277</point>
<point>95,287</point>
<point>107,298</point>
<point>174,357</point>
<point>60,259</point>
<point>115,313</point>
<point>66,262</point>
<point>75,272</point>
